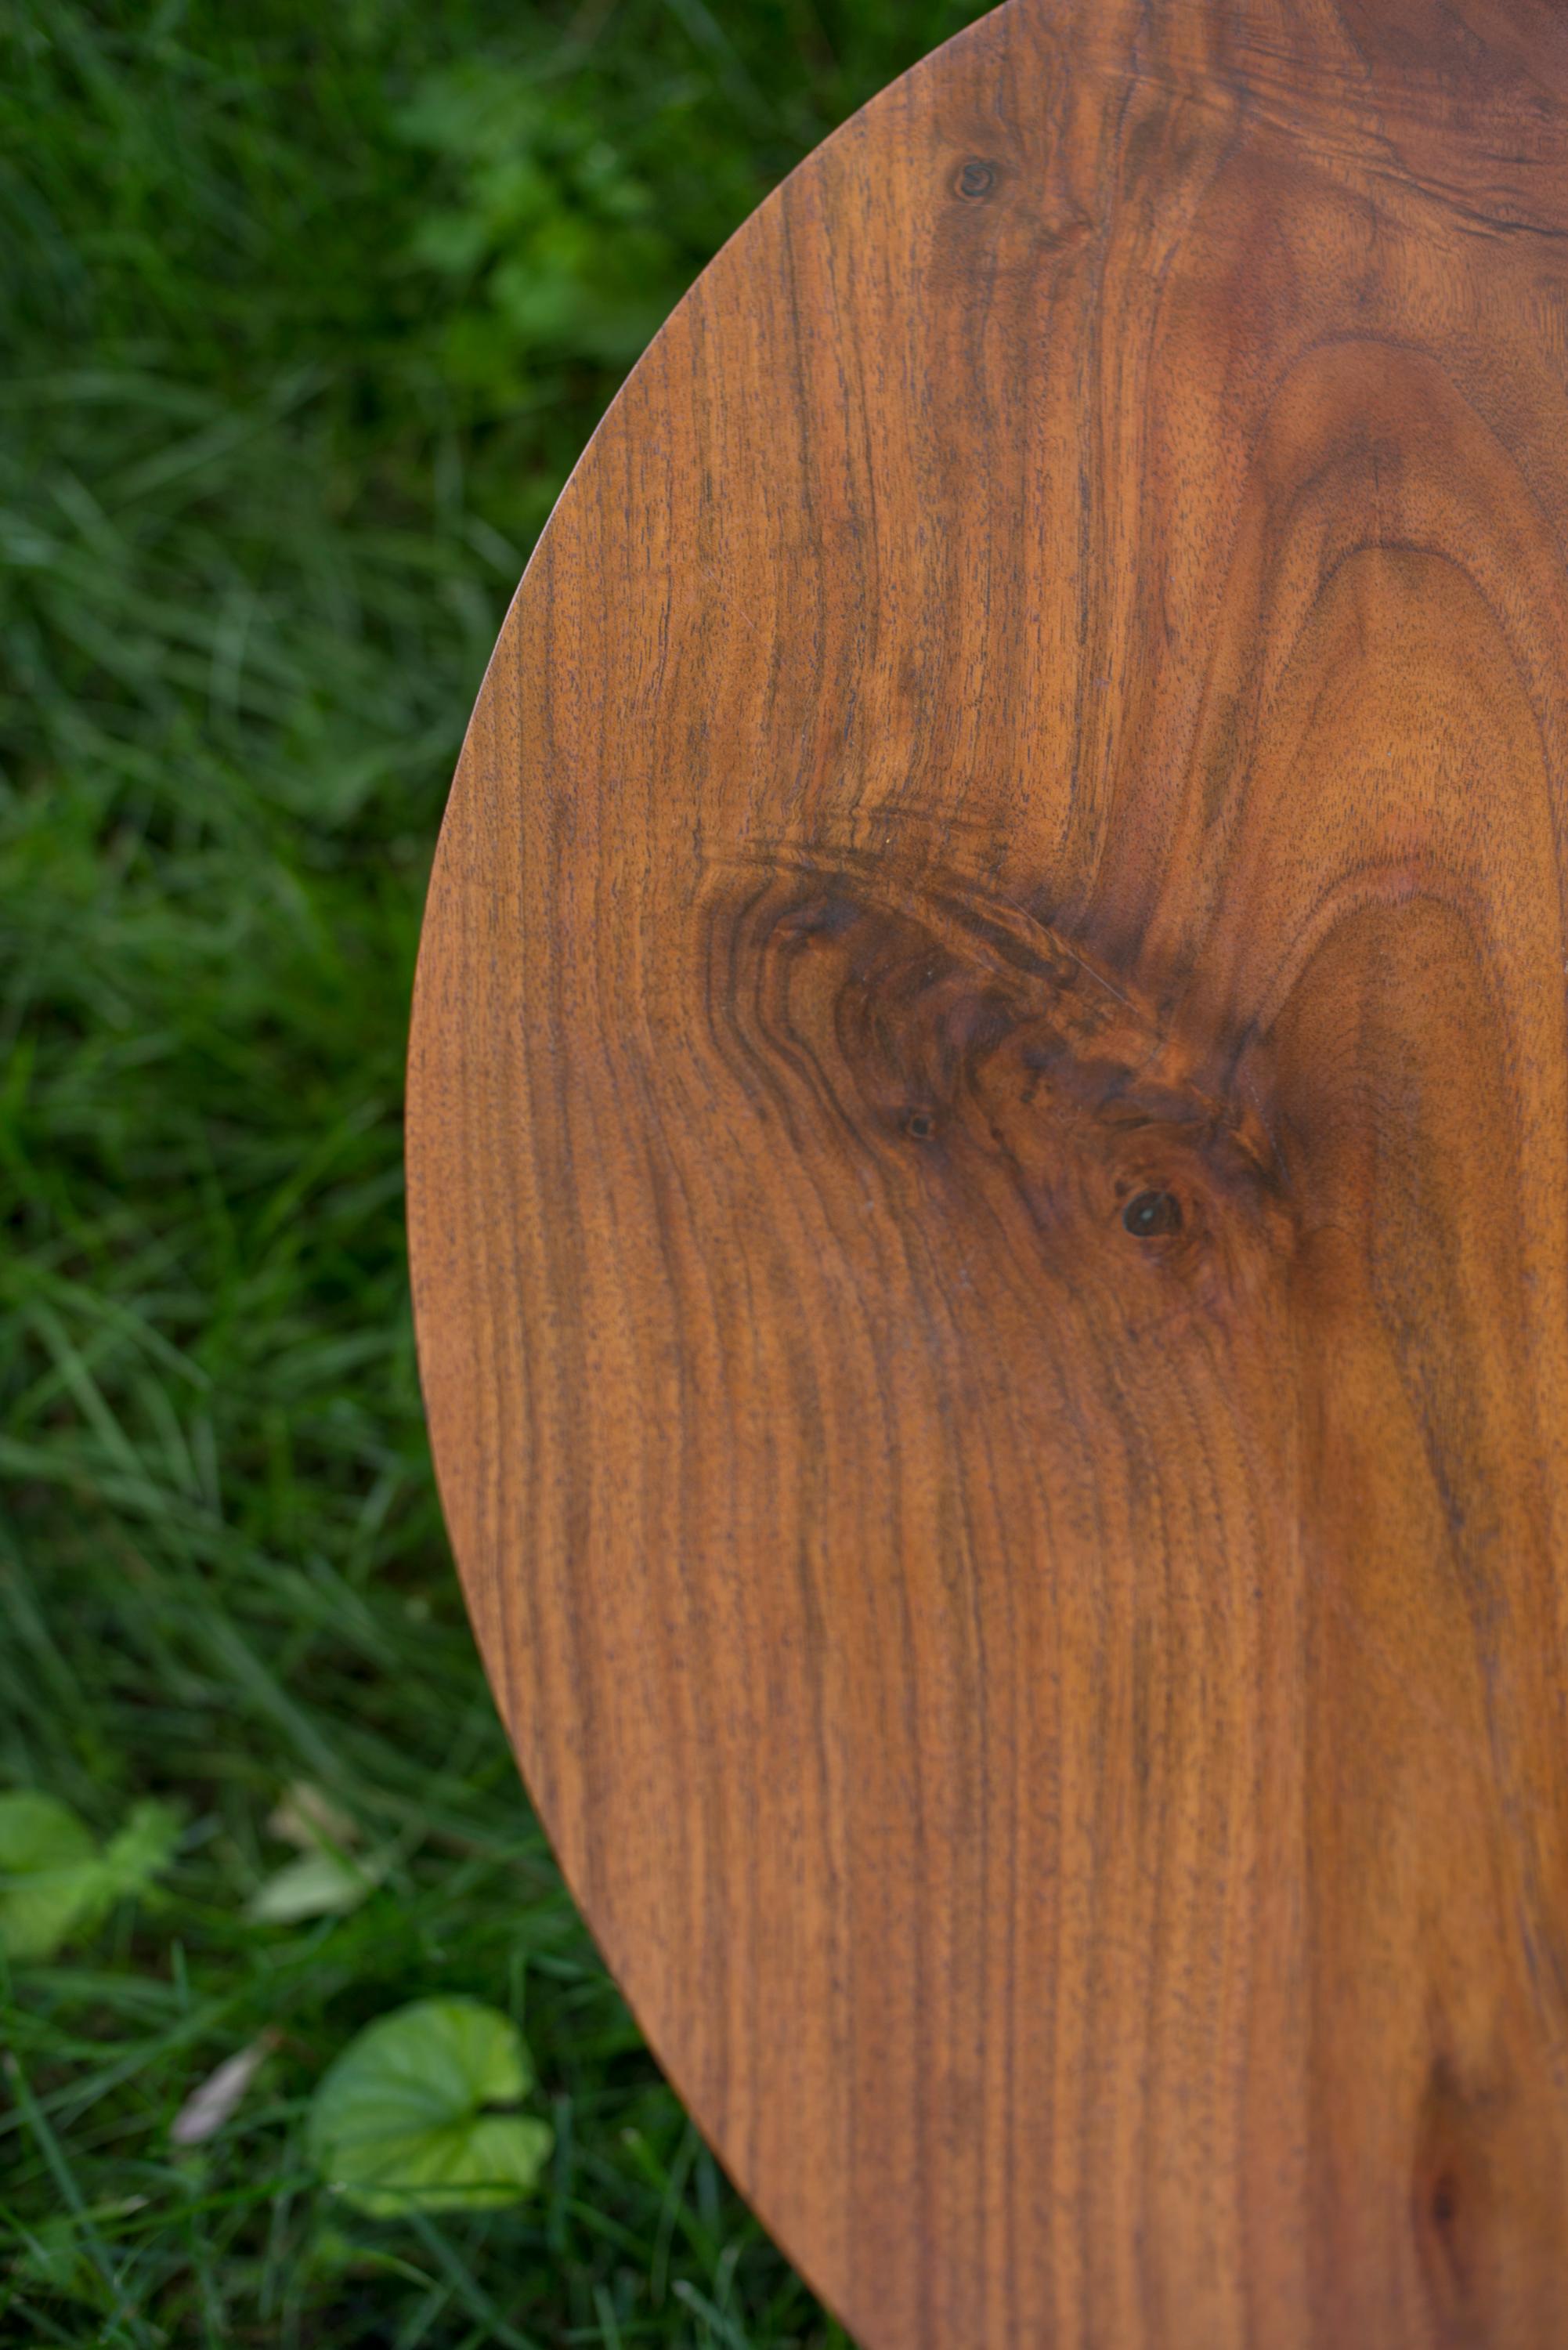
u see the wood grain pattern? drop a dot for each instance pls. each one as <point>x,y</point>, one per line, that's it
<point>989,1154</point>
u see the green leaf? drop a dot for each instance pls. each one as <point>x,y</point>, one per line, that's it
<point>55,1883</point>
<point>47,1867</point>
<point>52,2257</point>
<point>315,1885</point>
<point>141,1851</point>
<point>53,2254</point>
<point>403,2119</point>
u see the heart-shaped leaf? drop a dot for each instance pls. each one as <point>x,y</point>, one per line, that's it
<point>405,2118</point>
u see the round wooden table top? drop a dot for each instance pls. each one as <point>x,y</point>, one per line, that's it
<point>988,1155</point>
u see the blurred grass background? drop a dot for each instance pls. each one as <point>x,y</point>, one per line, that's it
<point>307,312</point>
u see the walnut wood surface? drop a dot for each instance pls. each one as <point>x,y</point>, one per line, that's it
<point>1044,711</point>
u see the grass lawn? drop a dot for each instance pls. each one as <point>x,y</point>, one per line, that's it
<point>309,309</point>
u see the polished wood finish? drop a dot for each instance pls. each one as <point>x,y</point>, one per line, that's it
<point>989,1151</point>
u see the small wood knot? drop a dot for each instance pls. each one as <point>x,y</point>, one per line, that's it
<point>1152,1215</point>
<point>975,179</point>
<point>919,1126</point>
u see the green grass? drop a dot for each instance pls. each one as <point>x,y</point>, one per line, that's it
<point>308,310</point>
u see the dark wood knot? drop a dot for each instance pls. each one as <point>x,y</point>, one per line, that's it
<point>1152,1215</point>
<point>976,179</point>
